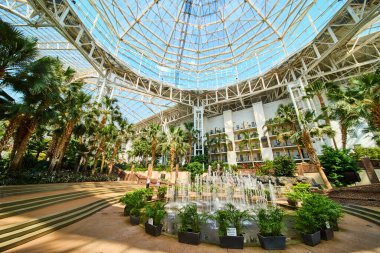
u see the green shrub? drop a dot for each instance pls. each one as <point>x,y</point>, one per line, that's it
<point>266,169</point>
<point>156,211</point>
<point>316,210</point>
<point>359,152</point>
<point>336,163</point>
<point>195,168</point>
<point>190,220</point>
<point>231,217</point>
<point>200,159</point>
<point>270,221</point>
<point>284,166</point>
<point>299,192</point>
<point>134,201</point>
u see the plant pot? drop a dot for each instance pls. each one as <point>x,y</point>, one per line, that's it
<point>272,242</point>
<point>292,203</point>
<point>148,198</point>
<point>327,234</point>
<point>334,226</point>
<point>161,196</point>
<point>127,210</point>
<point>134,220</point>
<point>231,242</point>
<point>189,237</point>
<point>312,239</point>
<point>152,229</point>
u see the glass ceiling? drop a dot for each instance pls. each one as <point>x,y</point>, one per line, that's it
<point>204,44</point>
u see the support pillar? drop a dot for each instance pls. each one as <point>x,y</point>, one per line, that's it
<point>265,145</point>
<point>198,148</point>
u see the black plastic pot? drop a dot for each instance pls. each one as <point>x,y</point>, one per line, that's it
<point>231,242</point>
<point>292,203</point>
<point>127,210</point>
<point>312,239</point>
<point>189,237</point>
<point>272,242</point>
<point>327,234</point>
<point>148,198</point>
<point>335,226</point>
<point>134,220</point>
<point>161,196</point>
<point>152,229</point>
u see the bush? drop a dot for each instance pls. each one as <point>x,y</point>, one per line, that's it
<point>156,211</point>
<point>336,164</point>
<point>299,192</point>
<point>284,166</point>
<point>200,159</point>
<point>266,169</point>
<point>316,210</point>
<point>359,152</point>
<point>134,201</point>
<point>190,220</point>
<point>195,168</point>
<point>231,217</point>
<point>270,221</point>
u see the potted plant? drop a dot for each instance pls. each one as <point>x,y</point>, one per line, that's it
<point>125,201</point>
<point>155,213</point>
<point>308,225</point>
<point>190,222</point>
<point>298,193</point>
<point>270,222</point>
<point>231,219</point>
<point>161,192</point>
<point>148,194</point>
<point>130,199</point>
<point>135,216</point>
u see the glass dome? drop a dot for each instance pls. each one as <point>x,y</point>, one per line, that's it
<point>200,44</point>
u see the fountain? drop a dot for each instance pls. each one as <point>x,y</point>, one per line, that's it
<point>210,192</point>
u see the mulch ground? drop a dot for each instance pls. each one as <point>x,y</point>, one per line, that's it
<point>364,195</point>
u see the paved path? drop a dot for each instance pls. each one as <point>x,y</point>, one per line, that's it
<point>108,231</point>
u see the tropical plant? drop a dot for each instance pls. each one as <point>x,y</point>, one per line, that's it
<point>191,134</point>
<point>336,163</point>
<point>284,166</point>
<point>316,89</point>
<point>359,152</point>
<point>190,220</point>
<point>195,168</point>
<point>161,192</point>
<point>267,168</point>
<point>270,221</point>
<point>231,217</point>
<point>247,141</point>
<point>152,134</point>
<point>156,211</point>
<point>299,192</point>
<point>135,199</point>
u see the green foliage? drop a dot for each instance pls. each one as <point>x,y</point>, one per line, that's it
<point>134,201</point>
<point>194,168</point>
<point>190,220</point>
<point>336,162</point>
<point>161,192</point>
<point>148,192</point>
<point>360,152</point>
<point>270,221</point>
<point>199,159</point>
<point>316,210</point>
<point>156,211</point>
<point>299,192</point>
<point>284,166</point>
<point>229,217</point>
<point>266,169</point>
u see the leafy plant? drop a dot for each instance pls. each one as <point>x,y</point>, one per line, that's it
<point>266,169</point>
<point>148,193</point>
<point>156,211</point>
<point>336,163</point>
<point>190,220</point>
<point>360,152</point>
<point>194,168</point>
<point>134,201</point>
<point>270,221</point>
<point>316,210</point>
<point>161,192</point>
<point>299,192</point>
<point>230,216</point>
<point>284,166</point>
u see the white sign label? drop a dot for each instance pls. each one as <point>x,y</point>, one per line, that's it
<point>327,225</point>
<point>231,232</point>
<point>150,221</point>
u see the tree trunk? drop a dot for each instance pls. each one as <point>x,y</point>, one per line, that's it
<point>112,159</point>
<point>171,161</point>
<point>327,118</point>
<point>307,142</point>
<point>13,124</point>
<point>61,146</point>
<point>375,116</point>
<point>52,146</point>
<point>154,148</point>
<point>300,152</point>
<point>176,172</point>
<point>30,126</point>
<point>102,164</point>
<point>190,149</point>
<point>79,163</point>
<point>343,130</point>
<point>97,154</point>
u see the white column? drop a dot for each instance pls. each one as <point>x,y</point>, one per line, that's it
<point>229,127</point>
<point>258,112</point>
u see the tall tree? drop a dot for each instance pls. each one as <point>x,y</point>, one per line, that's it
<point>15,49</point>
<point>152,134</point>
<point>191,134</point>
<point>316,89</point>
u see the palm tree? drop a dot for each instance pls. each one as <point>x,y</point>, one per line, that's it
<point>286,123</point>
<point>152,134</point>
<point>191,134</point>
<point>174,142</point>
<point>124,134</point>
<point>286,117</point>
<point>316,89</point>
<point>247,141</point>
<point>366,89</point>
<point>39,83</point>
<point>15,49</point>
<point>72,107</point>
